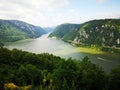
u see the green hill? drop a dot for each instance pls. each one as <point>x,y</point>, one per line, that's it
<point>20,70</point>
<point>14,30</point>
<point>65,31</point>
<point>96,32</point>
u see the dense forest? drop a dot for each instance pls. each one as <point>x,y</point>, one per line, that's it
<point>65,31</point>
<point>14,30</point>
<point>21,70</point>
<point>104,32</point>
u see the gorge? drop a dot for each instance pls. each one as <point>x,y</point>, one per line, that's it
<point>65,50</point>
<point>95,33</point>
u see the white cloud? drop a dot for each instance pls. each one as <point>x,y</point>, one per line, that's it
<point>48,12</point>
<point>100,16</point>
<point>72,10</point>
<point>39,12</point>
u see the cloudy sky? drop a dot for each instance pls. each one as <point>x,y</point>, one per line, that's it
<point>47,13</point>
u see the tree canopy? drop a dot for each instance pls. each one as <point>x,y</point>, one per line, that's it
<point>48,72</point>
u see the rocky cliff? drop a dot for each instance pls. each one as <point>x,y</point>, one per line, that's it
<point>96,32</point>
<point>14,30</point>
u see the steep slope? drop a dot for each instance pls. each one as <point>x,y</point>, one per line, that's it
<point>65,31</point>
<point>96,32</point>
<point>33,31</point>
<point>13,30</point>
<point>100,32</point>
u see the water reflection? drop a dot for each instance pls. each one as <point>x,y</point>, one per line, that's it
<point>65,50</point>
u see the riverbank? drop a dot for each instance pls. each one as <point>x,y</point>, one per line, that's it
<point>65,50</point>
<point>98,49</point>
<point>90,50</point>
<point>18,42</point>
<point>94,48</point>
<point>112,50</point>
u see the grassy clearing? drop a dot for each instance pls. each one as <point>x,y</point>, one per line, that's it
<point>89,50</point>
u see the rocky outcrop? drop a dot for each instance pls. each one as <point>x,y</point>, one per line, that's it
<point>96,32</point>
<point>100,32</point>
<point>14,30</point>
<point>35,31</point>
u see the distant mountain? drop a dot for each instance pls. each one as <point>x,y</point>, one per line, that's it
<point>34,31</point>
<point>96,32</point>
<point>14,30</point>
<point>49,29</point>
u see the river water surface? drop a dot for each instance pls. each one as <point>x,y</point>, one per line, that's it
<point>60,48</point>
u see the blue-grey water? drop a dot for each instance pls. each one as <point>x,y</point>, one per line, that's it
<point>65,50</point>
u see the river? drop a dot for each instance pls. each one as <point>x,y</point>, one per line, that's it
<point>60,48</point>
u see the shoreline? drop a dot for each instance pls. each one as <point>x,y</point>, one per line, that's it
<point>94,48</point>
<point>17,42</point>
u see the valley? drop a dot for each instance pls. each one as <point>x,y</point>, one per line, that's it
<point>65,50</point>
<point>59,45</point>
<point>86,50</point>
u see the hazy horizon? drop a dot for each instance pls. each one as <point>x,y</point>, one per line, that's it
<point>47,13</point>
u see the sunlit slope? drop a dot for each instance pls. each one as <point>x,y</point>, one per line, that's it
<point>96,32</point>
<point>14,30</point>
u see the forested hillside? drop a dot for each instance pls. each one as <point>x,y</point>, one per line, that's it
<point>13,30</point>
<point>20,70</point>
<point>96,32</point>
<point>65,31</point>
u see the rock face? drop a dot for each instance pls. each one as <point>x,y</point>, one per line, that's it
<point>14,30</point>
<point>96,32</point>
<point>35,31</point>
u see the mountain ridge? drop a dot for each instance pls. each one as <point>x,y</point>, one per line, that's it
<point>103,32</point>
<point>14,30</point>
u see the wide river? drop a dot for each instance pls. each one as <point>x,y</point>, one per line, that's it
<point>65,50</point>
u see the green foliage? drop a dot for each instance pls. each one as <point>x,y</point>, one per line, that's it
<point>23,68</point>
<point>29,75</point>
<point>100,32</point>
<point>114,81</point>
<point>104,33</point>
<point>48,72</point>
<point>70,35</point>
<point>9,33</point>
<point>12,30</point>
<point>65,74</point>
<point>112,50</point>
<point>65,31</point>
<point>90,76</point>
